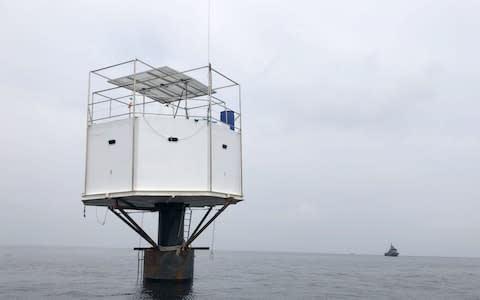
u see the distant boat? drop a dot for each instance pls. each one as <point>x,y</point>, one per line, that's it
<point>392,252</point>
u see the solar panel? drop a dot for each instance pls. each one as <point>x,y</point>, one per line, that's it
<point>163,84</point>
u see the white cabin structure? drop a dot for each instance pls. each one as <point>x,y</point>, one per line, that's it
<point>157,135</point>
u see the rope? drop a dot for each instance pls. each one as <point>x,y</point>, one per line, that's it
<point>166,137</point>
<point>104,217</point>
<point>213,240</point>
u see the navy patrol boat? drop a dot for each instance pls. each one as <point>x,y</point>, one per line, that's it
<point>392,251</point>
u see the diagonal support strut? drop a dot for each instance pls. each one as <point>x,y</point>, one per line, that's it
<point>132,224</point>
<point>193,237</point>
<point>201,221</point>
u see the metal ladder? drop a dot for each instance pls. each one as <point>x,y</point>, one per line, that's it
<point>187,221</point>
<point>140,256</point>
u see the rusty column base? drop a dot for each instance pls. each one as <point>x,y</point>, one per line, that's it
<point>168,265</point>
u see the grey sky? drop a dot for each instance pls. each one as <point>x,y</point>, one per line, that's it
<point>361,118</point>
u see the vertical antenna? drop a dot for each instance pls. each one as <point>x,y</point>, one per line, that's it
<point>209,122</point>
<point>209,112</point>
<point>208,32</point>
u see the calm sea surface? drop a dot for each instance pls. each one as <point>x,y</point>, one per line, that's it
<point>90,273</point>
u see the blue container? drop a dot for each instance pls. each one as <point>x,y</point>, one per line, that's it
<point>228,117</point>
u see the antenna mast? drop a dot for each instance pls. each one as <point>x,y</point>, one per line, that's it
<point>209,113</point>
<point>208,31</point>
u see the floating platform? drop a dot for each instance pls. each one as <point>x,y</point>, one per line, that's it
<point>160,140</point>
<point>135,200</point>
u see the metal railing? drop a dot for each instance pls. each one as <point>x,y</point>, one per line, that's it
<point>107,101</point>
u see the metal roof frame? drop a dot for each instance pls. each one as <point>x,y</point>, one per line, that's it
<point>162,84</point>
<point>136,86</point>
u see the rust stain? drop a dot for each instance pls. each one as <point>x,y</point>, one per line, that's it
<point>179,275</point>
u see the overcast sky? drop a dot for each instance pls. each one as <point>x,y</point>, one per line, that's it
<point>360,118</point>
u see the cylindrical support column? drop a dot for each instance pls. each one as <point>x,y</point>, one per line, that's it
<point>167,265</point>
<point>170,224</point>
<point>173,264</point>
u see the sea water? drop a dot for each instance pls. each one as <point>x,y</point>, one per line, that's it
<point>96,273</point>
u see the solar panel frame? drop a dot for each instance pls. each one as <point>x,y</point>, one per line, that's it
<point>163,84</point>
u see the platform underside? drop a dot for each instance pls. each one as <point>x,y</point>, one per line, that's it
<point>144,202</point>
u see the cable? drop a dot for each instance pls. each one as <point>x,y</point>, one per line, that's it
<point>166,137</point>
<point>213,239</point>
<point>104,217</point>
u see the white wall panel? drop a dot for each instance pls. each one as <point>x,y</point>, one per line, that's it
<point>171,166</point>
<point>226,164</point>
<point>162,165</point>
<point>109,166</point>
